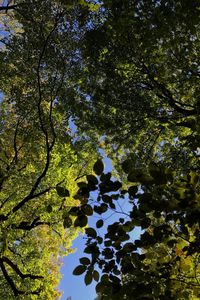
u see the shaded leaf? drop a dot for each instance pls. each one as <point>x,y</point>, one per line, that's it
<point>62,192</point>
<point>67,222</point>
<point>81,221</point>
<point>92,179</point>
<point>100,287</point>
<point>99,223</point>
<point>96,275</point>
<point>98,167</point>
<point>88,278</point>
<point>87,209</point>
<point>49,209</point>
<point>79,270</point>
<point>91,232</point>
<point>84,261</point>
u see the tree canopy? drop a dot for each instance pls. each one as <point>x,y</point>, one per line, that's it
<point>79,78</point>
<point>141,68</point>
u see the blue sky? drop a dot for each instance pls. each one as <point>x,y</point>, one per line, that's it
<point>74,285</point>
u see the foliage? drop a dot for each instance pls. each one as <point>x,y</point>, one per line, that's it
<point>127,72</point>
<point>40,157</point>
<point>141,74</point>
<point>164,262</point>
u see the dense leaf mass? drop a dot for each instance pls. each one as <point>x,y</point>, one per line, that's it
<point>84,78</point>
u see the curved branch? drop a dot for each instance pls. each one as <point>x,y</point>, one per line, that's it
<point>167,95</point>
<point>9,280</point>
<point>27,226</point>
<point>17,270</point>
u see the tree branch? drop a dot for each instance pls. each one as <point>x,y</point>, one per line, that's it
<point>27,226</point>
<point>9,7</point>
<point>167,95</point>
<point>17,270</point>
<point>29,197</point>
<point>9,280</point>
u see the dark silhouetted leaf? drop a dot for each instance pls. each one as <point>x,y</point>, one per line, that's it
<point>49,209</point>
<point>99,223</point>
<point>62,192</point>
<point>84,261</point>
<point>96,275</point>
<point>87,209</point>
<point>81,221</point>
<point>98,167</point>
<point>79,270</point>
<point>100,287</point>
<point>74,211</point>
<point>91,232</point>
<point>92,179</point>
<point>67,222</point>
<point>88,278</point>
<point>127,165</point>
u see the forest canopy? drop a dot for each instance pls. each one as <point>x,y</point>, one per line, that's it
<point>82,78</point>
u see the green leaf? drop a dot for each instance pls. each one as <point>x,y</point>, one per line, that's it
<point>67,222</point>
<point>49,209</point>
<point>96,275</point>
<point>84,261</point>
<point>74,211</point>
<point>92,179</point>
<point>98,167</point>
<point>127,165</point>
<point>81,221</point>
<point>79,270</point>
<point>99,223</point>
<point>62,192</point>
<point>91,232</point>
<point>87,209</point>
<point>100,287</point>
<point>88,278</point>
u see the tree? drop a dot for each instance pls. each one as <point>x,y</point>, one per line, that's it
<point>164,262</point>
<point>141,73</point>
<point>39,155</point>
<point>127,72</point>
<point>37,186</point>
